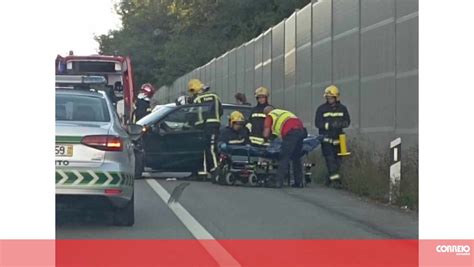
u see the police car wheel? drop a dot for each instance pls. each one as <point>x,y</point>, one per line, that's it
<point>125,216</point>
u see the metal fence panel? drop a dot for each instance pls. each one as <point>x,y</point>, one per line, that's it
<point>278,65</point>
<point>290,63</point>
<point>267,59</point>
<point>225,79</point>
<point>345,49</point>
<point>378,70</point>
<point>303,109</point>
<point>322,50</point>
<point>202,75</point>
<point>368,48</point>
<point>219,77</point>
<point>232,83</point>
<point>240,71</point>
<point>207,73</point>
<point>249,69</point>
<point>212,77</point>
<point>258,61</point>
<point>172,94</point>
<point>407,70</point>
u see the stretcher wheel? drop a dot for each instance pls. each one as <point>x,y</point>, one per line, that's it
<point>253,179</point>
<point>221,174</point>
<point>229,178</point>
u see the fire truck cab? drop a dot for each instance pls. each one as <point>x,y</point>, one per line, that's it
<point>117,71</point>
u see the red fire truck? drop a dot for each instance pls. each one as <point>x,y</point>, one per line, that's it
<point>117,71</point>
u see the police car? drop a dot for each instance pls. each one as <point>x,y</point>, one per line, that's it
<point>95,159</point>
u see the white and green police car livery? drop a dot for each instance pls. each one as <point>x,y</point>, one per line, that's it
<point>94,153</point>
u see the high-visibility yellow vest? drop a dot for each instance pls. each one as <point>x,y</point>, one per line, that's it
<point>279,117</point>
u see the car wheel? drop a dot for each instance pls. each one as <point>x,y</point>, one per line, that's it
<point>125,216</point>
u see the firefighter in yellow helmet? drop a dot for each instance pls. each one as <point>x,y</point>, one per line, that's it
<point>209,117</point>
<point>257,117</point>
<point>235,133</point>
<point>331,118</point>
<point>290,129</point>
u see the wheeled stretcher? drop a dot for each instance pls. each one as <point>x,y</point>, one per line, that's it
<point>254,166</point>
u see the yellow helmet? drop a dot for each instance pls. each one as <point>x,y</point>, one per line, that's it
<point>262,91</point>
<point>333,91</point>
<point>195,86</point>
<point>236,116</point>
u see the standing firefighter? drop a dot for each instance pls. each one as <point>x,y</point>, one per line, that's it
<point>331,117</point>
<point>210,121</point>
<point>142,106</point>
<point>257,117</point>
<point>290,129</point>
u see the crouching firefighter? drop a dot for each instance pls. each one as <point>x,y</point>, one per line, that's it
<point>257,118</point>
<point>209,121</point>
<point>235,133</point>
<point>290,129</point>
<point>331,118</point>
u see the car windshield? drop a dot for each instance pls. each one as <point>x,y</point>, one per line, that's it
<point>153,117</point>
<point>70,107</point>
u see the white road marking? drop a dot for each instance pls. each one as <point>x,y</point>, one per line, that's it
<point>212,246</point>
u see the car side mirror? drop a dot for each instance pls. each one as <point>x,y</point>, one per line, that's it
<point>134,130</point>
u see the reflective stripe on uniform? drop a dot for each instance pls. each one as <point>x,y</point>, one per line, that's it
<point>213,153</point>
<point>279,117</point>
<point>326,126</point>
<point>333,114</point>
<point>259,115</point>
<point>204,163</point>
<point>331,141</point>
<point>240,141</point>
<point>257,140</point>
<point>334,177</point>
<point>205,98</point>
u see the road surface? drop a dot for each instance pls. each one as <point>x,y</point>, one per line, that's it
<point>237,212</point>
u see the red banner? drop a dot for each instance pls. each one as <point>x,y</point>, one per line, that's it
<point>275,253</point>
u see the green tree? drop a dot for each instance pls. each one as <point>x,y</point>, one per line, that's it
<point>168,38</point>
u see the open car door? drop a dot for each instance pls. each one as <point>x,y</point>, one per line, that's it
<point>174,143</point>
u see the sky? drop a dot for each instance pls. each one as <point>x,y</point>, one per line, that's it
<point>85,18</point>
